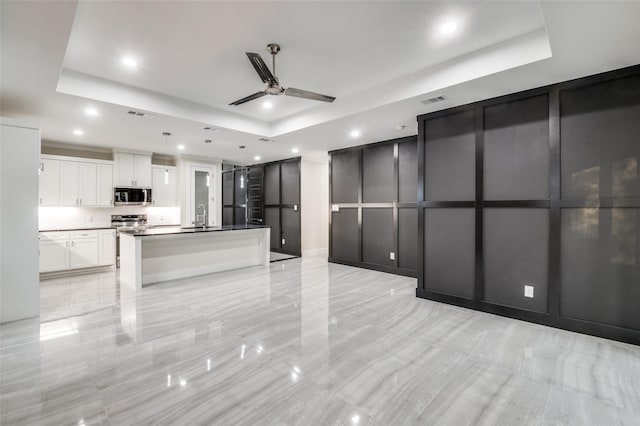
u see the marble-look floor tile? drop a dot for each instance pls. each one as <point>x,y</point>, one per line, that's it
<point>301,342</point>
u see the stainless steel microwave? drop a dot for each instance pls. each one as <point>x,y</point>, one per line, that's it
<point>132,196</point>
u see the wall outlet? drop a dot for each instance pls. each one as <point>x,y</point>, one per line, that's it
<point>528,291</point>
<point>335,208</point>
<point>392,256</point>
<point>89,219</point>
<point>161,218</point>
<point>283,241</point>
<point>295,207</point>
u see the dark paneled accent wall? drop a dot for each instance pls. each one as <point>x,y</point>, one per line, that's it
<point>234,195</point>
<point>539,189</point>
<point>282,205</point>
<point>373,219</point>
<point>266,194</point>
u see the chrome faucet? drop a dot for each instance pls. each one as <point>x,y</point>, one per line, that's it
<point>201,219</point>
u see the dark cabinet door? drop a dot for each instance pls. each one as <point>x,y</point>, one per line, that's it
<point>254,198</point>
<point>290,241</point>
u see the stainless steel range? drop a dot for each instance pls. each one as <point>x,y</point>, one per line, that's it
<point>126,222</point>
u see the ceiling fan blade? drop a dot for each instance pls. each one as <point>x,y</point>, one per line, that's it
<point>249,98</point>
<point>308,95</point>
<point>261,68</point>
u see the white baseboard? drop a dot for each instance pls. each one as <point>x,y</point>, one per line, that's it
<point>315,252</point>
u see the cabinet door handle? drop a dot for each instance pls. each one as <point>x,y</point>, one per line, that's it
<point>40,200</point>
<point>80,201</point>
<point>72,244</point>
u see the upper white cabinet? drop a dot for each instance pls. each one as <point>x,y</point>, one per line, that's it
<point>164,186</point>
<point>133,169</point>
<point>71,182</point>
<point>49,182</point>
<point>104,177</point>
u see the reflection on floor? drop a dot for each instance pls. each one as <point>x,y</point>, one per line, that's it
<point>300,342</point>
<point>280,256</point>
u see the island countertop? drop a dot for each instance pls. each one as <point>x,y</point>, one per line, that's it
<point>176,230</point>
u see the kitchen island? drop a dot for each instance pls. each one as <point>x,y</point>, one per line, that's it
<point>160,254</point>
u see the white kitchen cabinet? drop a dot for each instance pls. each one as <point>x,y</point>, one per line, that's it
<point>104,185</point>
<point>107,249</point>
<point>67,250</point>
<point>133,170</point>
<point>163,188</point>
<point>87,184</point>
<point>68,183</point>
<point>54,251</point>
<point>83,250</point>
<point>49,182</point>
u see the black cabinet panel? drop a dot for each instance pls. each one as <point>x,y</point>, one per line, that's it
<point>378,183</point>
<point>450,157</point>
<point>290,230</point>
<point>227,216</point>
<point>449,246</point>
<point>345,177</point>
<point>600,133</point>
<point>272,219</point>
<point>407,238</point>
<point>240,178</point>
<point>516,155</point>
<point>290,182</point>
<point>239,216</point>
<point>377,236</point>
<point>227,188</point>
<point>516,253</point>
<point>344,235</point>
<point>408,172</point>
<point>600,265</point>
<point>272,183</point>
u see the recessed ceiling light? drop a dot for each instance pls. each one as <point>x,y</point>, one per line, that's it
<point>91,111</point>
<point>181,147</point>
<point>130,62</point>
<point>267,105</point>
<point>256,158</point>
<point>448,27</point>
<point>295,150</point>
<point>78,132</point>
<point>355,133</point>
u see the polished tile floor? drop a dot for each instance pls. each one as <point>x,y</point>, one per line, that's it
<point>301,342</point>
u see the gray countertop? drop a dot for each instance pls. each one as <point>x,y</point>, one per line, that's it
<point>165,230</point>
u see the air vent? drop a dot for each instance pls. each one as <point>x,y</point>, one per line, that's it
<point>266,140</point>
<point>433,100</point>
<point>140,114</point>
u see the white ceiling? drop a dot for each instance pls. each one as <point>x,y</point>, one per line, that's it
<point>380,59</point>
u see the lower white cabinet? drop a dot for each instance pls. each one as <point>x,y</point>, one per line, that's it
<point>83,250</point>
<point>107,249</point>
<point>65,250</point>
<point>54,251</point>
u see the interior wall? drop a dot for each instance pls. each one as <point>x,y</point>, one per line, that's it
<point>19,280</point>
<point>314,181</point>
<point>373,192</point>
<point>529,205</point>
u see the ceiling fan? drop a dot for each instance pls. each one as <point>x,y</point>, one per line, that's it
<point>273,85</point>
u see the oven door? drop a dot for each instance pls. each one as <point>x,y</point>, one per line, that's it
<point>132,196</point>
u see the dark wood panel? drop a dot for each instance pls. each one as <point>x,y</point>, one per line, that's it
<point>408,171</point>
<point>516,150</point>
<point>345,177</point>
<point>378,184</point>
<point>377,236</point>
<point>290,172</point>
<point>290,230</point>
<point>272,183</point>
<point>407,238</point>
<point>345,243</point>
<point>449,157</point>
<point>272,219</point>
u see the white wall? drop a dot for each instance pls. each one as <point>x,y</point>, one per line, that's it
<point>314,182</point>
<point>51,218</point>
<point>19,279</point>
